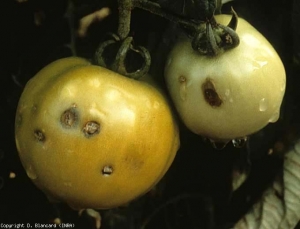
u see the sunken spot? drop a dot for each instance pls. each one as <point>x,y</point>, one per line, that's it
<point>210,94</point>
<point>91,128</point>
<point>39,136</point>
<point>107,170</point>
<point>69,118</point>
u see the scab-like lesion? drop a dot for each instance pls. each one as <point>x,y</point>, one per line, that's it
<point>39,135</point>
<point>107,170</point>
<point>210,93</point>
<point>69,117</point>
<point>91,128</point>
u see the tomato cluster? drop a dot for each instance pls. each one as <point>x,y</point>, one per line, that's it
<point>95,139</point>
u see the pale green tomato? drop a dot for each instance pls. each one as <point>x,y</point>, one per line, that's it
<point>231,95</point>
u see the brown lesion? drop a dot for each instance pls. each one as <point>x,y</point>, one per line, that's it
<point>107,170</point>
<point>91,128</point>
<point>39,135</point>
<point>69,118</point>
<point>182,79</point>
<point>210,93</point>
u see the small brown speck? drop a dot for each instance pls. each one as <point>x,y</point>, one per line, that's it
<point>39,135</point>
<point>182,79</point>
<point>107,170</point>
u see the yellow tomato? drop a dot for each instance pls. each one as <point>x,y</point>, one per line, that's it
<point>91,137</point>
<point>231,95</point>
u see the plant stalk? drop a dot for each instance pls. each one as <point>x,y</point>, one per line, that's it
<point>125,7</point>
<point>155,8</point>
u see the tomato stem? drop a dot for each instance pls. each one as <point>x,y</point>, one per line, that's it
<point>125,7</point>
<point>155,8</point>
<point>208,36</point>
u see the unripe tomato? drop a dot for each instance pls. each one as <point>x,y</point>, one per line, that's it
<point>231,95</point>
<point>91,137</point>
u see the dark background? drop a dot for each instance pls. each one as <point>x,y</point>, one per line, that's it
<point>196,192</point>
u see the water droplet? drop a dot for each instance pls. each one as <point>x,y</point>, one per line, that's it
<point>274,117</point>
<point>239,142</point>
<point>31,173</point>
<point>257,64</point>
<point>218,144</point>
<point>263,104</point>
<point>182,87</point>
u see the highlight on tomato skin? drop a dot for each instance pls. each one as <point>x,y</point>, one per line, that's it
<point>93,138</point>
<point>231,95</point>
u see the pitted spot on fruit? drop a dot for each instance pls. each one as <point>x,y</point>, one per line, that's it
<point>39,135</point>
<point>210,94</point>
<point>69,118</point>
<point>182,79</point>
<point>91,128</point>
<point>107,170</point>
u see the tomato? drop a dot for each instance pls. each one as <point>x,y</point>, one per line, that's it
<point>91,137</point>
<point>231,95</point>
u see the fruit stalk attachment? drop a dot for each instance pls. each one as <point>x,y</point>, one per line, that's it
<point>208,37</point>
<point>125,46</point>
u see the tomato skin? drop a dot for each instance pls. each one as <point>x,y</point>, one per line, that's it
<point>91,137</point>
<point>248,85</point>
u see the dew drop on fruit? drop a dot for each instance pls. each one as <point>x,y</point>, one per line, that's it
<point>169,62</point>
<point>239,142</point>
<point>263,105</point>
<point>31,173</point>
<point>218,144</point>
<point>274,117</point>
<point>182,87</point>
